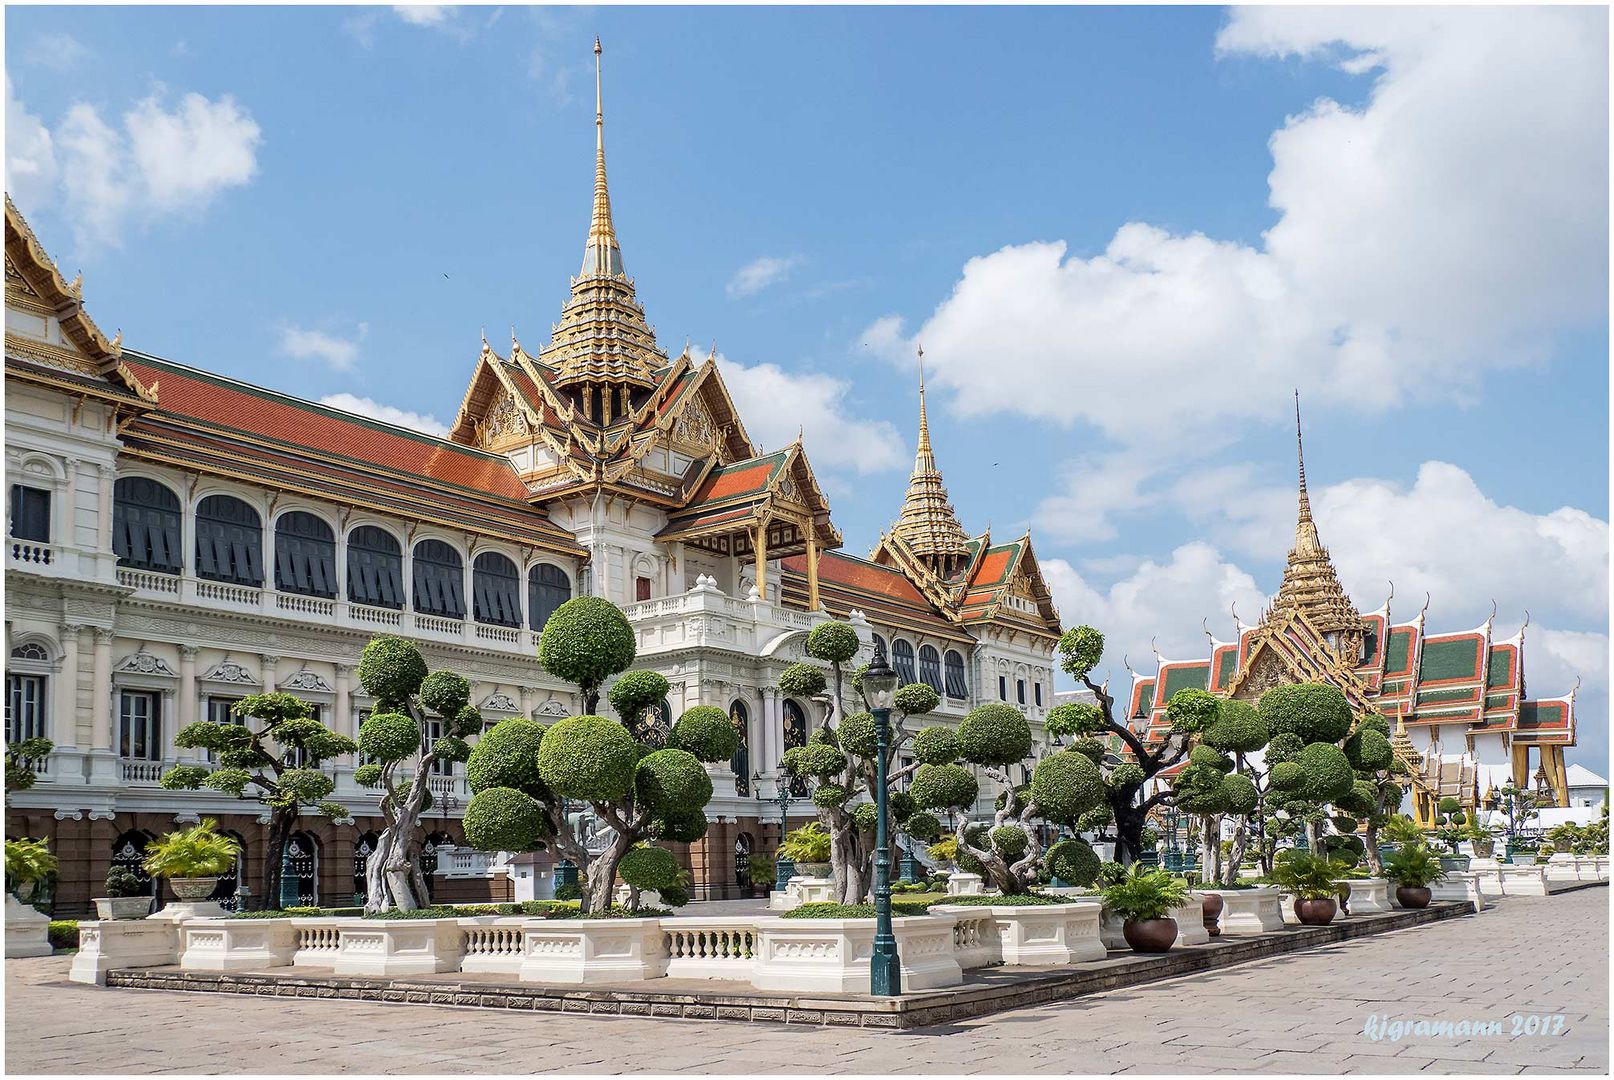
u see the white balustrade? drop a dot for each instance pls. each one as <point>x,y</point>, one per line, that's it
<point>494,944</point>
<point>141,771</point>
<point>317,606</point>
<point>317,942</point>
<point>509,635</point>
<point>435,624</point>
<point>376,616</point>
<point>30,554</point>
<point>147,581</point>
<point>224,592</point>
<point>710,948</point>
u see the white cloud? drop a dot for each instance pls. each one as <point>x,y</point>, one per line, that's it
<point>760,273</point>
<point>161,162</point>
<point>423,14</point>
<point>387,414</point>
<point>1450,225</point>
<point>336,352</point>
<point>58,52</point>
<point>775,405</point>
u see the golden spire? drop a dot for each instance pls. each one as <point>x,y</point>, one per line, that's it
<point>603,255</point>
<point>927,524</point>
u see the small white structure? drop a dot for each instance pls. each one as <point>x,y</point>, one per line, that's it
<point>1368,896</point>
<point>1465,886</point>
<point>1039,935</point>
<point>962,884</point>
<point>120,943</point>
<point>591,951</point>
<point>832,955</point>
<point>27,931</point>
<point>1249,911</point>
<point>236,944</point>
<point>1191,921</point>
<point>1585,787</point>
<point>801,890</point>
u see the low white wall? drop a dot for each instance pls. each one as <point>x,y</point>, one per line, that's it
<point>1249,911</point>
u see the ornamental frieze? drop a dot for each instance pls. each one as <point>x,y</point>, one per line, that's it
<point>500,702</point>
<point>229,671</point>
<point>143,663</point>
<point>307,680</point>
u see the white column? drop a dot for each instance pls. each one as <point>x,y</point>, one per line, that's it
<point>64,698</point>
<point>343,721</point>
<point>270,663</point>
<point>107,476</point>
<point>773,729</point>
<point>101,713</point>
<point>185,714</point>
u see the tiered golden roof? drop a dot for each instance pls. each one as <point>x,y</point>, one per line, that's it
<point>928,525</point>
<point>602,337</point>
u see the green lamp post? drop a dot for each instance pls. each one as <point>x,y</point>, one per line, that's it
<point>885,969</point>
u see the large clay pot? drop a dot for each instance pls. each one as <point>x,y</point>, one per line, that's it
<point>193,888</point>
<point>1411,896</point>
<point>1212,905</point>
<point>1150,935</point>
<point>1484,849</point>
<point>1316,912</point>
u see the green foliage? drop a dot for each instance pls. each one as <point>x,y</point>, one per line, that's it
<point>916,699</point>
<point>1009,841</point>
<point>1191,711</point>
<point>122,881</point>
<point>827,795</point>
<point>28,860</point>
<point>681,828</point>
<point>588,757</point>
<point>1328,772</point>
<point>1198,790</point>
<point>1065,786</point>
<point>389,736</point>
<point>672,781</point>
<point>705,731</point>
<point>301,786</point>
<point>21,758</point>
<point>185,777</point>
<point>857,734</point>
<point>1075,718</point>
<point>504,819</point>
<point>902,805</point>
<point>832,642</point>
<point>1362,801</point>
<point>1012,900</point>
<point>935,745</point>
<point>994,734</point>
<point>445,693</point>
<point>1238,728</point>
<point>199,851</point>
<point>391,669</point>
<point>1368,751</point>
<point>1306,875</point>
<point>569,891</point>
<point>816,759</point>
<point>922,826</point>
<point>273,709</point>
<point>1073,860</point>
<point>1288,775</point>
<point>899,908</point>
<point>864,817</point>
<point>1317,712</point>
<point>1145,894</point>
<point>1240,794</point>
<point>451,748</point>
<point>1127,774</point>
<point>1374,722</point>
<point>1209,758</point>
<point>228,781</point>
<point>586,641</point>
<point>63,933</point>
<point>1091,749</point>
<point>808,844</point>
<point>944,851</point>
<point>1284,746</point>
<point>1080,650</point>
<point>944,787</point>
<point>647,868</point>
<point>1414,865</point>
<point>1450,805</point>
<point>507,756</point>
<point>803,681</point>
<point>635,692</point>
<point>1401,829</point>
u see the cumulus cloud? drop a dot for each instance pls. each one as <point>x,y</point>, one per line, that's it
<point>423,14</point>
<point>58,52</point>
<point>1451,224</point>
<point>335,351</point>
<point>760,273</point>
<point>387,414</point>
<point>159,162</point>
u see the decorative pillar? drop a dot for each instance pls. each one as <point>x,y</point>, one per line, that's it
<point>107,476</point>
<point>269,665</point>
<point>770,749</point>
<point>761,546</point>
<point>103,750</point>
<point>344,719</point>
<point>64,703</point>
<point>186,712</point>
<point>812,569</point>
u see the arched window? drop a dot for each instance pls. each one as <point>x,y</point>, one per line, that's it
<point>229,541</point>
<point>902,661</point>
<point>305,554</point>
<point>957,684</point>
<point>742,861</point>
<point>496,590</point>
<point>361,865</point>
<point>740,763</point>
<point>145,525</point>
<point>930,667</point>
<point>374,568</point>
<point>299,871</point>
<point>548,588</point>
<point>439,580</point>
<point>26,692</point>
<point>880,649</point>
<point>795,735</point>
<point>224,893</point>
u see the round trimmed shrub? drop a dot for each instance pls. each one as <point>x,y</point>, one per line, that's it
<point>1236,729</point>
<point>1346,824</point>
<point>864,817</point>
<point>1285,746</point>
<point>1328,772</point>
<point>1240,794</point>
<point>1369,751</point>
<point>1091,749</point>
<point>672,782</point>
<point>1010,841</point>
<point>445,693</point>
<point>705,731</point>
<point>857,734</point>
<point>507,756</point>
<point>636,691</point>
<point>935,745</point>
<point>451,748</point>
<point>588,757</point>
<point>1198,790</point>
<point>832,642</point>
<point>1209,758</point>
<point>820,760</point>
<point>1190,711</point>
<point>916,699</point>
<point>994,734</point>
<point>1374,722</point>
<point>367,775</point>
<point>825,735</point>
<point>391,668</point>
<point>1075,718</point>
<point>803,680</point>
<point>1075,861</point>
<point>827,795</point>
<point>586,641</point>
<point>389,736</point>
<point>1065,786</point>
<point>681,828</point>
<point>1317,712</point>
<point>902,805</point>
<point>1081,649</point>
<point>1127,774</point>
<point>924,827</point>
<point>467,722</point>
<point>647,868</point>
<point>504,819</point>
<point>1450,805</point>
<point>1288,775</point>
<point>944,787</point>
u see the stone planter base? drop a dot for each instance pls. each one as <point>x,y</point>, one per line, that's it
<point>1526,880</point>
<point>1369,896</point>
<point>1470,887</point>
<point>184,911</point>
<point>1250,911</point>
<point>122,907</point>
<point>803,890</point>
<point>1191,921</point>
<point>962,884</point>
<point>832,955</point>
<point>389,947</point>
<point>107,944</point>
<point>1039,935</point>
<point>588,951</point>
<point>236,944</point>
<point>27,931</point>
<point>1112,932</point>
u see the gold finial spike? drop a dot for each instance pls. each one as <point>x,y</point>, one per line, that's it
<point>1205,625</point>
<point>603,255</point>
<point>1300,453</point>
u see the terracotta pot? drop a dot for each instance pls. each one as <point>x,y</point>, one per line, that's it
<point>1316,912</point>
<point>1150,935</point>
<point>1411,896</point>
<point>1213,904</point>
<point>193,888</point>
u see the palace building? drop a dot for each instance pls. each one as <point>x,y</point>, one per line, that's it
<point>178,539</point>
<point>1456,701</point>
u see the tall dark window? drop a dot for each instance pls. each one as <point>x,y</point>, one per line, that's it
<point>140,725</point>
<point>930,667</point>
<point>1003,688</point>
<point>902,661</point>
<point>957,685</point>
<point>229,541</point>
<point>434,731</point>
<point>547,589</point>
<point>496,589</point>
<point>305,554</point>
<point>795,724</point>
<point>374,568</point>
<point>439,580</point>
<point>145,525</point>
<point>1036,689</point>
<point>25,707</point>
<point>30,513</point>
<point>740,763</point>
<point>1020,690</point>
<point>880,649</point>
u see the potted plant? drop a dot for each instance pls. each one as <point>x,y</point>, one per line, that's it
<point>28,862</point>
<point>1413,868</point>
<point>192,859</point>
<point>761,867</point>
<point>1397,832</point>
<point>126,898</point>
<point>808,848</point>
<point>1310,879</point>
<point>1483,839</point>
<point>1142,900</point>
<point>1449,822</point>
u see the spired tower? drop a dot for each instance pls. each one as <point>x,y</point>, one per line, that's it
<point>603,352</point>
<point>928,525</point>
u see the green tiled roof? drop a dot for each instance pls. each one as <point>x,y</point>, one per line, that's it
<point>1457,658</point>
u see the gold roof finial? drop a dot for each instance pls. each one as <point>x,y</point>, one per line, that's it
<point>927,523</point>
<point>603,255</point>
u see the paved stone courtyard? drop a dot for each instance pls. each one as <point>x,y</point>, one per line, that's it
<point>1303,1013</point>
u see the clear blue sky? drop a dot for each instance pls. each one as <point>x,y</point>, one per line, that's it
<point>412,180</point>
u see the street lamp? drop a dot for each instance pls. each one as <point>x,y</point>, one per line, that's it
<point>880,691</point>
<point>783,867</point>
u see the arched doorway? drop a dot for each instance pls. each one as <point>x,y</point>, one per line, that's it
<point>361,866</point>
<point>795,735</point>
<point>225,892</point>
<point>740,763</point>
<point>742,862</point>
<point>428,859</point>
<point>299,872</point>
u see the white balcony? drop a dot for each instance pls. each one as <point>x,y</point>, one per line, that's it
<point>704,617</point>
<point>31,554</point>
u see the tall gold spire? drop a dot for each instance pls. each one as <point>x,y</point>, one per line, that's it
<point>1310,582</point>
<point>603,255</point>
<point>927,524</point>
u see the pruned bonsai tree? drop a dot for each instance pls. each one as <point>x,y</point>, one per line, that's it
<point>1306,768</point>
<point>1218,779</point>
<point>274,761</point>
<point>522,774</point>
<point>397,740</point>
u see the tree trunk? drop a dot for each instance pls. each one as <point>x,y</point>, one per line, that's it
<point>1129,823</point>
<point>1241,837</point>
<point>280,827</point>
<point>600,884</point>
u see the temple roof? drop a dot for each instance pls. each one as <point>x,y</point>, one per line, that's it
<point>927,524</point>
<point>847,583</point>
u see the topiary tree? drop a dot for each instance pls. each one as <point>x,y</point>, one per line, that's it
<point>1095,725</point>
<point>1377,793</point>
<point>1449,821</point>
<point>272,756</point>
<point>396,738</point>
<point>634,697</point>
<point>1307,769</point>
<point>1236,732</point>
<point>586,641</point>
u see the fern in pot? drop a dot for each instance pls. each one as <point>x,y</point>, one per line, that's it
<point>1413,868</point>
<point>1313,881</point>
<point>28,862</point>
<point>193,860</point>
<point>808,848</point>
<point>1143,901</point>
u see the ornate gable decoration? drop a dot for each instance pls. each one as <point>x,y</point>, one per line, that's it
<point>307,680</point>
<point>228,671</point>
<point>143,663</point>
<point>499,701</point>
